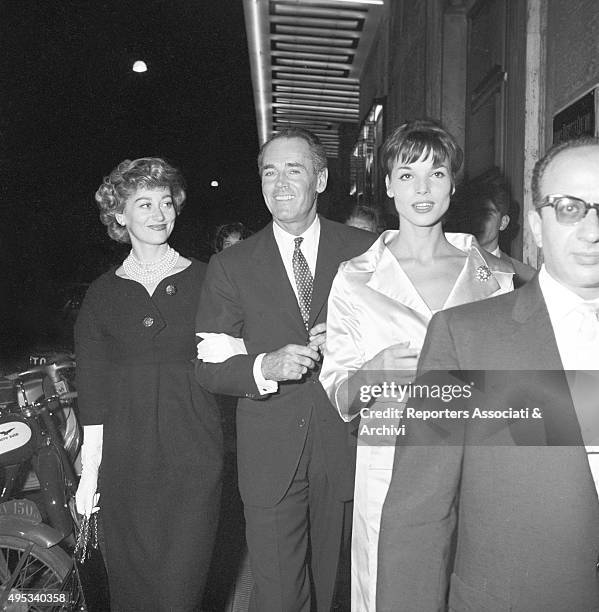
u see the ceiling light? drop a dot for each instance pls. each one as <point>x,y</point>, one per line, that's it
<point>261,94</point>
<point>379,2</point>
<point>139,66</point>
<point>213,183</point>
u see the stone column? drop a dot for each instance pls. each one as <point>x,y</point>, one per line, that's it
<point>453,88</point>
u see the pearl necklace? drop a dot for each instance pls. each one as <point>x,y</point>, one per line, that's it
<point>152,272</point>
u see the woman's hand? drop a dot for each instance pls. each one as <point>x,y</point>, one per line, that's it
<point>394,364</point>
<point>397,362</point>
<point>317,336</point>
<point>86,498</point>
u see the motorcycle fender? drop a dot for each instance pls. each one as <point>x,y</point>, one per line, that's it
<point>38,533</point>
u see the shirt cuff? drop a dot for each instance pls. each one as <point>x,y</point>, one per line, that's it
<point>265,387</point>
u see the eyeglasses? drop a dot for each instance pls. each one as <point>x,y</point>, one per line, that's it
<point>568,209</point>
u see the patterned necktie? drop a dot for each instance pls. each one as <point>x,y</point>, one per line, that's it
<point>303,281</point>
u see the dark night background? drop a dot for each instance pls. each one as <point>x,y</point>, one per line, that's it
<point>71,109</point>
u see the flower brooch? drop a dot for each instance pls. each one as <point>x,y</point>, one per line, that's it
<point>483,274</point>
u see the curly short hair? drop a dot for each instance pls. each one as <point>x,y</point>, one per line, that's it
<point>125,179</point>
<point>317,150</point>
<point>542,164</point>
<point>410,141</point>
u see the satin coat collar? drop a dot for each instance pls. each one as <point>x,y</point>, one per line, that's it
<point>381,263</point>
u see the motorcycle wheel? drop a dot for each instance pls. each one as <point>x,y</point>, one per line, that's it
<point>43,571</point>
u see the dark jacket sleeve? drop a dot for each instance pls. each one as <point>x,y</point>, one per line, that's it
<point>220,311</point>
<point>94,366</point>
<point>419,513</point>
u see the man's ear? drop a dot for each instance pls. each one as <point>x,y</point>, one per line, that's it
<point>536,227</point>
<point>505,221</point>
<point>321,180</point>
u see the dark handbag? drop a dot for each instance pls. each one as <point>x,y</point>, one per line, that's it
<point>89,567</point>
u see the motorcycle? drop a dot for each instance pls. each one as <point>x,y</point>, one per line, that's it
<point>39,440</point>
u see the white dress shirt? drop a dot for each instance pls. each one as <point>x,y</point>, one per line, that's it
<point>577,339</point>
<point>286,243</point>
<point>577,347</point>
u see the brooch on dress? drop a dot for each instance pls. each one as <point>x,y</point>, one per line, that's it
<point>483,274</point>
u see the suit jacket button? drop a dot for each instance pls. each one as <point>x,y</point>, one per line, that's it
<point>148,321</point>
<point>302,422</point>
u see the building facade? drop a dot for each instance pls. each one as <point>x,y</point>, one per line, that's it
<point>506,77</point>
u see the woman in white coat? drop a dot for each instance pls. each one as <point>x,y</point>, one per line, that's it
<point>379,308</point>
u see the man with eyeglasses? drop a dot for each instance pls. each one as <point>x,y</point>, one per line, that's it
<point>502,513</point>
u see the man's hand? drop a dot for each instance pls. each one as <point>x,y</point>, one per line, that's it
<point>318,336</point>
<point>289,363</point>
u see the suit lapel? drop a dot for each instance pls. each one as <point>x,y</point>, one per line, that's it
<point>530,311</point>
<point>274,282</point>
<point>327,263</point>
<point>271,278</point>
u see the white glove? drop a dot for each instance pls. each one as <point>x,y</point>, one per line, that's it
<point>216,348</point>
<point>86,498</point>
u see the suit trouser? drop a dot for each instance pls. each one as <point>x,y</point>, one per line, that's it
<point>294,546</point>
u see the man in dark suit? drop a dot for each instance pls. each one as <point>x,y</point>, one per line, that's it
<point>488,205</point>
<point>512,516</point>
<point>294,454</point>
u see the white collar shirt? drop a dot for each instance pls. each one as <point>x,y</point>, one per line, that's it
<point>577,348</point>
<point>286,243</point>
<point>577,341</point>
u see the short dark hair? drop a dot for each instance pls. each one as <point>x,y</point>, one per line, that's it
<point>364,212</point>
<point>418,137</point>
<point>317,150</point>
<point>541,165</point>
<point>494,190</point>
<point>223,232</point>
<point>125,179</point>
<point>368,213</point>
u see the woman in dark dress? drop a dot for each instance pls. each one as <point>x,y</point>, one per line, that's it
<point>149,428</point>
